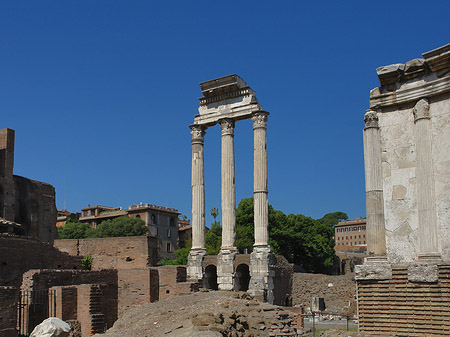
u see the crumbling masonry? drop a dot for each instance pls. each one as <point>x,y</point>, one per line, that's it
<point>403,286</point>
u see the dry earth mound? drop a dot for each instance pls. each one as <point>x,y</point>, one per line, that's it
<point>211,314</point>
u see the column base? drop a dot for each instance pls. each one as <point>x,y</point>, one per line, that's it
<point>225,268</point>
<point>375,259</point>
<point>432,258</point>
<point>195,263</point>
<point>262,261</point>
<point>374,268</point>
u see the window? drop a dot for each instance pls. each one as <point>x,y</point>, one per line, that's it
<point>172,222</point>
<point>153,218</point>
<point>168,247</point>
<point>168,233</point>
<point>138,216</point>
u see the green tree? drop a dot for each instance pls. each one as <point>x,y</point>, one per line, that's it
<point>301,239</point>
<point>181,256</point>
<point>332,219</point>
<point>73,229</point>
<point>213,239</point>
<point>121,226</point>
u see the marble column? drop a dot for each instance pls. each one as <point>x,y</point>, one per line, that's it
<point>262,258</point>
<point>198,250</point>
<point>228,185</point>
<point>376,239</point>
<point>260,184</point>
<point>426,200</point>
<point>228,251</point>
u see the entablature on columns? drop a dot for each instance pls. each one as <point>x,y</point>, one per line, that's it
<point>416,79</point>
<point>226,97</point>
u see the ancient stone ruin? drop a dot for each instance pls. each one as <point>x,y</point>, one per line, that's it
<point>27,207</point>
<point>403,285</point>
<point>227,100</point>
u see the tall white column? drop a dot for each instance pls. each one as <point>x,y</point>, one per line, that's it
<point>376,240</point>
<point>198,250</point>
<point>228,185</point>
<point>426,200</point>
<point>261,259</point>
<point>225,260</point>
<point>260,176</point>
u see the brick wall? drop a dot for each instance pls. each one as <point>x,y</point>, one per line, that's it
<point>47,278</point>
<point>8,311</point>
<point>20,254</point>
<point>137,286</point>
<point>131,252</point>
<point>404,307</point>
<point>306,286</point>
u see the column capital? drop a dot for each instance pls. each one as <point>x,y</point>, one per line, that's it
<point>259,119</point>
<point>227,126</point>
<point>421,110</point>
<point>198,132</point>
<point>370,119</point>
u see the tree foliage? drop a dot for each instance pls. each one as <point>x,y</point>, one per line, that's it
<point>73,229</point>
<point>181,256</point>
<point>121,226</point>
<point>332,219</point>
<point>301,239</point>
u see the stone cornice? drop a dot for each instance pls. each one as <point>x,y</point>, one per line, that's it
<point>410,91</point>
<point>418,78</point>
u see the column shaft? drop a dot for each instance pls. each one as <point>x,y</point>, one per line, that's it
<point>198,188</point>
<point>260,176</point>
<point>376,240</point>
<point>228,185</point>
<point>426,203</point>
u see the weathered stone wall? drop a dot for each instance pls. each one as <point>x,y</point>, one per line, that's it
<point>137,287</point>
<point>131,252</point>
<point>46,278</point>
<point>8,311</point>
<point>306,286</point>
<point>413,110</point>
<point>35,208</point>
<point>19,254</point>
<point>22,200</point>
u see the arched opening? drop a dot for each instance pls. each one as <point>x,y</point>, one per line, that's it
<point>210,278</point>
<point>242,278</point>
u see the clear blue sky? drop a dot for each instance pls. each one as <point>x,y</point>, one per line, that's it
<point>101,93</point>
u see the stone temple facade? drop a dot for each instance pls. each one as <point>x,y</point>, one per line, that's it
<point>403,285</point>
<point>227,100</point>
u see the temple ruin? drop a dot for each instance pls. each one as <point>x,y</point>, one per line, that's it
<point>403,284</point>
<point>227,100</point>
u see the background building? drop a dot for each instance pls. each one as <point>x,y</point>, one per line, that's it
<point>162,222</point>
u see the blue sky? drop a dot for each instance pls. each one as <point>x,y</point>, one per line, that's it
<point>101,93</point>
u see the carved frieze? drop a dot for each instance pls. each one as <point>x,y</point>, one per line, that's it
<point>421,110</point>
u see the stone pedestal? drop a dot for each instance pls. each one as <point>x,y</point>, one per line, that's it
<point>195,262</point>
<point>225,269</point>
<point>261,273</point>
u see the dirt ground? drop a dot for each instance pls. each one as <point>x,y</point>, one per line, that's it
<point>219,313</point>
